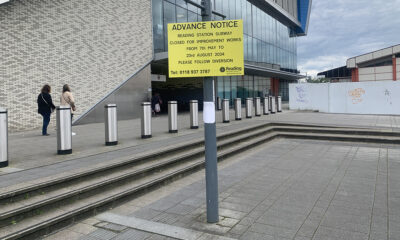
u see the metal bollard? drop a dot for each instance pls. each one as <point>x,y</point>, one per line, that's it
<point>64,133</point>
<point>270,103</point>
<point>194,114</point>
<point>266,106</point>
<point>219,103</point>
<point>238,109</point>
<point>146,120</point>
<point>273,105</point>
<point>3,138</point>
<point>257,106</point>
<point>279,103</point>
<point>173,116</point>
<point>249,107</point>
<point>111,124</point>
<point>225,110</point>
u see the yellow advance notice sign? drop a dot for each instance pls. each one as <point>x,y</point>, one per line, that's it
<point>205,49</point>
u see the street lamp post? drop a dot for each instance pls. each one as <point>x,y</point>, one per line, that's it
<point>210,136</point>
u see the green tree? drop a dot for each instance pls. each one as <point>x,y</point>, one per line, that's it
<point>310,79</point>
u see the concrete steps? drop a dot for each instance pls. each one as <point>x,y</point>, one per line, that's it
<point>36,210</point>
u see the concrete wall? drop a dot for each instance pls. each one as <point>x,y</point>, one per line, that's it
<point>92,45</point>
<point>354,61</point>
<point>128,99</point>
<point>353,97</point>
<point>383,73</point>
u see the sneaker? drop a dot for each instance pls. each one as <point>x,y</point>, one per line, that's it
<point>46,134</point>
<point>73,134</point>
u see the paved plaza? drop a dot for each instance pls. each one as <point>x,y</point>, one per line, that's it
<point>284,189</point>
<point>287,189</point>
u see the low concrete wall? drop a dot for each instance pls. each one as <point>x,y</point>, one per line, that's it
<point>381,97</point>
<point>383,73</point>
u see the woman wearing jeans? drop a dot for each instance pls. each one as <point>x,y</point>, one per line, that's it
<point>45,107</point>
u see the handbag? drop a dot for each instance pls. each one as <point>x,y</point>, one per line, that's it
<point>157,107</point>
<point>51,109</point>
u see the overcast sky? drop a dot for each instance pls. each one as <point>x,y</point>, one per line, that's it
<point>340,29</point>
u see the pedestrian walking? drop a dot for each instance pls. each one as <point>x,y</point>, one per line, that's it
<point>45,107</point>
<point>156,103</point>
<point>67,99</point>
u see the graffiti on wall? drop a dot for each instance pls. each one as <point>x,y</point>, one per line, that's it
<point>388,96</point>
<point>356,95</point>
<point>301,94</point>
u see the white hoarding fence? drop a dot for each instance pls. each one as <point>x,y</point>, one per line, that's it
<point>380,97</point>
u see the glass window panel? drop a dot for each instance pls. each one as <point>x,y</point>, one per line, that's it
<point>250,86</point>
<point>266,26</point>
<point>246,87</point>
<point>259,24</point>
<point>250,48</point>
<point>274,32</point>
<point>158,31</point>
<point>244,17</point>
<point>227,88</point>
<point>192,8</point>
<point>215,18</point>
<point>245,48</point>
<point>262,26</point>
<point>255,83</point>
<point>169,17</point>
<point>181,3</point>
<point>225,8</point>
<point>181,15</point>
<point>259,51</point>
<point>232,9</point>
<point>254,20</point>
<point>254,43</point>
<point>249,18</point>
<point>192,17</point>
<point>264,52</point>
<point>240,88</point>
<point>218,6</point>
<point>271,30</point>
<point>238,14</point>
<point>220,87</point>
<point>234,80</point>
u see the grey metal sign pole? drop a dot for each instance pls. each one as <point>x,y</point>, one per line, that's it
<point>210,136</point>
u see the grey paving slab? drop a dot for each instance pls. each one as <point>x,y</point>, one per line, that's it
<point>101,234</point>
<point>275,231</point>
<point>239,229</point>
<point>133,234</point>
<point>332,233</point>
<point>142,227</point>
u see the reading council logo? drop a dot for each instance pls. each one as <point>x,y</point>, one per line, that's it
<point>222,69</point>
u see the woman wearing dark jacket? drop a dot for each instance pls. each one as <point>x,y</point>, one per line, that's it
<point>45,107</point>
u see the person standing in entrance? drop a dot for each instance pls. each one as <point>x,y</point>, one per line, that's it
<point>156,103</point>
<point>67,99</point>
<point>45,107</point>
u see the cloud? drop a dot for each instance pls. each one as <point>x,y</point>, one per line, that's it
<point>340,29</point>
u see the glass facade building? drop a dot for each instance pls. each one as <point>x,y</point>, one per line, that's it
<point>268,43</point>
